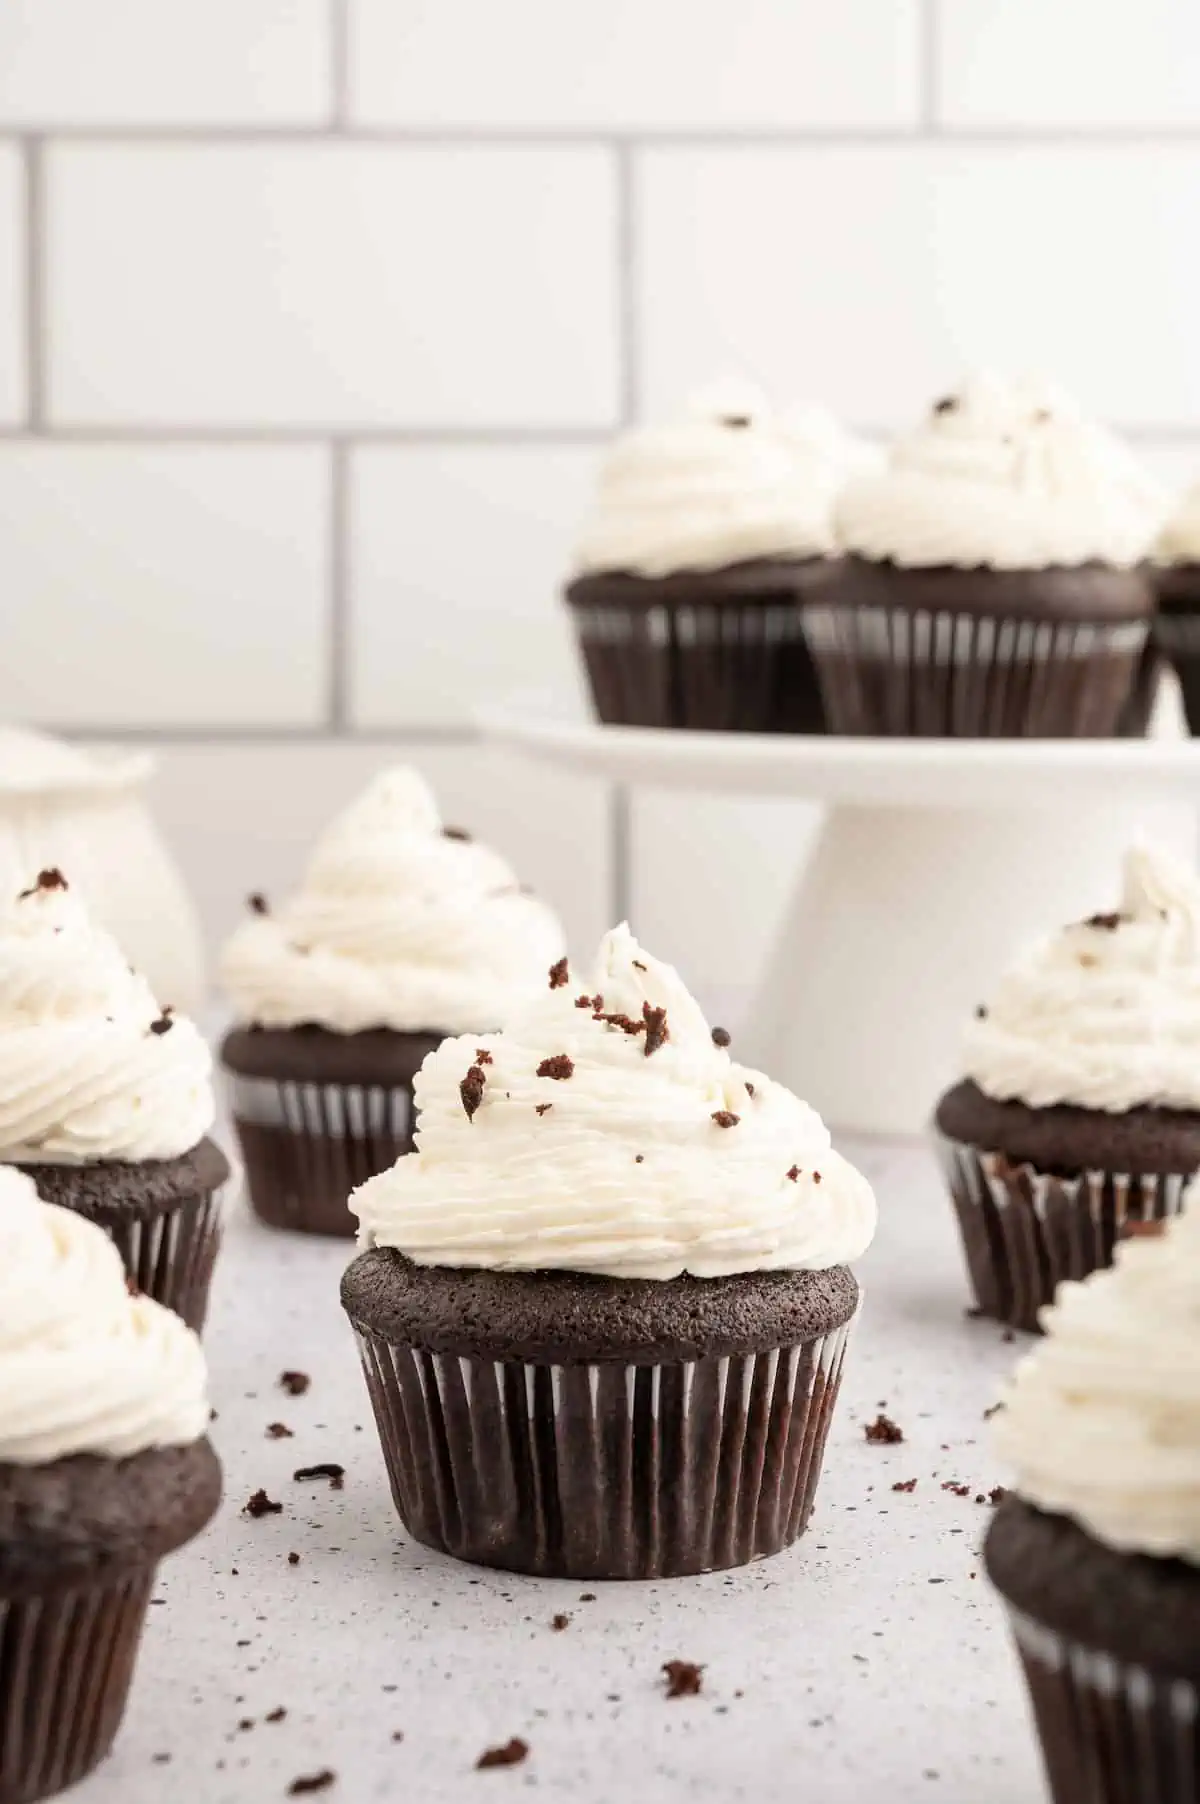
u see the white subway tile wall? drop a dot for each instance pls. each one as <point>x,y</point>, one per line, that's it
<point>315,316</point>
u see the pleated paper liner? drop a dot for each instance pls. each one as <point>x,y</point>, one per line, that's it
<point>1024,1231</point>
<point>1111,1733</point>
<point>1178,636</point>
<point>605,1470</point>
<point>941,674</point>
<point>66,1665</point>
<point>306,1146</point>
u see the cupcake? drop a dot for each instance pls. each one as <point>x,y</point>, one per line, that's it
<point>1177,578</point>
<point>1080,1110</point>
<point>602,1309</point>
<point>1097,1551</point>
<point>403,931</point>
<point>106,1098</point>
<point>994,583</point>
<point>104,1469</point>
<point>687,578</point>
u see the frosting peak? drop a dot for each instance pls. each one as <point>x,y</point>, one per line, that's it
<point>399,923</point>
<point>84,1366</point>
<point>727,484</point>
<point>1104,1014</point>
<point>1006,475</point>
<point>607,1130</point>
<point>1102,1420</point>
<point>90,1067</point>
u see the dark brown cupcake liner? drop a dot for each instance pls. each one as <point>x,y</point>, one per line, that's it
<point>306,1146</point>
<point>1024,1231</point>
<point>66,1665</point>
<point>1110,1733</point>
<point>1178,635</point>
<point>729,666</point>
<point>605,1470</point>
<point>172,1256</point>
<point>929,673</point>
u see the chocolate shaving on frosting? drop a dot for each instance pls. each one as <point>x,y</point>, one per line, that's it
<point>725,1118</point>
<point>49,879</point>
<point>657,1032</point>
<point>471,1090</point>
<point>559,1066</point>
<point>559,974</point>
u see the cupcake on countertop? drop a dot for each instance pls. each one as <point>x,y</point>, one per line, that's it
<point>104,1469</point>
<point>1080,1107</point>
<point>1097,1552</point>
<point>403,931</point>
<point>704,533</point>
<point>621,1258</point>
<point>106,1098</point>
<point>996,580</point>
<point>1177,579</point>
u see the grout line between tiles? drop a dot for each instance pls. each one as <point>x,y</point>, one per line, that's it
<point>338,599</point>
<point>35,285</point>
<point>216,737</point>
<point>339,65</point>
<point>715,138</point>
<point>929,27</point>
<point>320,434</point>
<point>628,334</point>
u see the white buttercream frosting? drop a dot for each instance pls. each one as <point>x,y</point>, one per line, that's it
<point>84,1366</point>
<point>91,1068</point>
<point>593,1148</point>
<point>730,483</point>
<point>398,924</point>
<point>1102,1420</point>
<point>1105,1013</point>
<point>1005,475</point>
<point>1179,540</point>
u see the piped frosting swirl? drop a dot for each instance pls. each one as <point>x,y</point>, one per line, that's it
<point>607,1130</point>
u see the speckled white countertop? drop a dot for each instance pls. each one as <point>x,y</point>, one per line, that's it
<point>869,1663</point>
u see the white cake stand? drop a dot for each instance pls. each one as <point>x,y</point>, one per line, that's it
<point>934,861</point>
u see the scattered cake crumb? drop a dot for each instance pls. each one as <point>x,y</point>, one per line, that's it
<point>293,1559</point>
<point>308,1783</point>
<point>794,1173</point>
<point>275,1716</point>
<point>294,1383</point>
<point>540,1108</point>
<point>905,1484</point>
<point>326,1469</point>
<point>278,1431</point>
<point>259,1504</point>
<point>883,1432</point>
<point>682,1678</point>
<point>459,833</point>
<point>956,1489</point>
<point>483,1056</point>
<point>256,902</point>
<point>721,1037</point>
<point>639,1158</point>
<point>163,1024</point>
<point>587,1597</point>
<point>725,1118</point>
<point>559,1622</point>
<point>1106,923</point>
<point>509,1753</point>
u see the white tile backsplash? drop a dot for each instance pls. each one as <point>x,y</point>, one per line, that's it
<point>1031,257</point>
<point>1070,63</point>
<point>143,62</point>
<point>334,284</point>
<point>335,301</point>
<point>457,557</point>
<point>698,65</point>
<point>13,374</point>
<point>172,586</point>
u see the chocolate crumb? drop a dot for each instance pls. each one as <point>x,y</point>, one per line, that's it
<point>725,1118</point>
<point>626,1023</point>
<point>278,1431</point>
<point>164,1024</point>
<point>256,902</point>
<point>294,1383</point>
<point>245,1725</point>
<point>293,1559</point>
<point>559,1622</point>
<point>587,1597</point>
<point>471,1090</point>
<point>749,1089</point>
<point>955,1489</point>
<point>540,1108</point>
<point>721,1037</point>
<point>997,1494</point>
<point>737,422</point>
<point>682,1678</point>
<point>397,1734</point>
<point>161,1759</point>
<point>883,1432</point>
<point>639,1158</point>
<point>948,404</point>
<point>980,1013</point>
<point>327,1469</point>
<point>596,1002</point>
<point>459,833</point>
<point>657,1032</point>
<point>908,1485</point>
<point>816,1177</point>
<point>483,1056</point>
<point>794,1173</point>
<point>311,1782</point>
<point>275,1716</point>
<point>1105,923</point>
<point>638,965</point>
<point>559,1067</point>
<point>51,878</point>
<point>510,1753</point>
<point>261,1505</point>
<point>558,974</point>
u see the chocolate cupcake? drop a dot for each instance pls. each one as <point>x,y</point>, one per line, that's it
<point>705,535</point>
<point>602,1309</point>
<point>106,1098</point>
<point>1177,580</point>
<point>1079,1116</point>
<point>403,931</point>
<point>104,1470</point>
<point>995,582</point>
<point>1097,1552</point>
